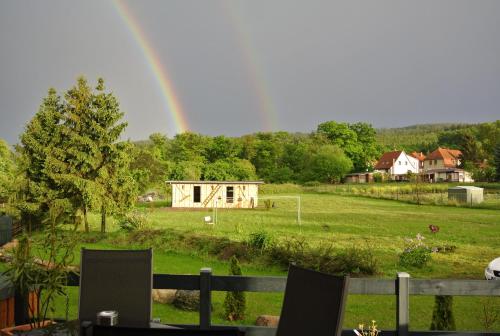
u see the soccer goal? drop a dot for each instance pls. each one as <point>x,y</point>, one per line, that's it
<point>296,198</point>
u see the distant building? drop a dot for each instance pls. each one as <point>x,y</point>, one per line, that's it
<point>468,194</point>
<point>359,178</point>
<point>220,194</point>
<point>420,157</point>
<point>397,164</point>
<point>442,166</point>
<point>442,158</point>
<point>447,175</point>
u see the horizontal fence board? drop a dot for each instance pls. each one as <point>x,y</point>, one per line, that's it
<point>248,283</point>
<point>455,287</point>
<point>372,286</point>
<point>176,281</point>
<point>366,286</point>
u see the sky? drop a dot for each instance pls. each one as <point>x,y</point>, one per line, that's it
<point>237,67</point>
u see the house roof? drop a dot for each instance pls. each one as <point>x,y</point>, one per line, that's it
<point>449,156</point>
<point>215,182</point>
<point>419,156</point>
<point>387,160</point>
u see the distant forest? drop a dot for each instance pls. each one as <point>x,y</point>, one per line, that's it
<point>324,155</point>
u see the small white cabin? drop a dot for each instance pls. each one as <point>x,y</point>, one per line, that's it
<point>220,194</point>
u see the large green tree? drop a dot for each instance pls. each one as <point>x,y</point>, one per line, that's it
<point>36,189</point>
<point>356,140</point>
<point>71,151</point>
<point>330,164</point>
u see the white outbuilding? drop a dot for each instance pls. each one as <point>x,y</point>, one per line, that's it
<point>220,194</point>
<point>466,194</point>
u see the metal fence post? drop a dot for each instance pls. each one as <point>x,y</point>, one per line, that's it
<point>403,304</point>
<point>205,298</point>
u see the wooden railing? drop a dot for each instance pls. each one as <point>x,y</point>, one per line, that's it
<point>402,286</point>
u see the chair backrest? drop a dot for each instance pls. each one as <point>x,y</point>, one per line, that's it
<point>313,304</point>
<point>119,280</point>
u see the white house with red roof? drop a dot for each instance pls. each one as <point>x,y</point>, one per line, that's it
<point>397,164</point>
<point>442,165</point>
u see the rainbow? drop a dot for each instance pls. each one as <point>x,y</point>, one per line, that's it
<point>267,108</point>
<point>165,83</point>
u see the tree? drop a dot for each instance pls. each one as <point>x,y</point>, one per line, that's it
<point>330,164</point>
<point>70,152</point>
<point>370,151</point>
<point>36,188</point>
<point>231,169</point>
<point>442,316</point>
<point>235,302</point>
<point>7,170</point>
<point>497,161</point>
<point>222,147</point>
<point>114,160</point>
<point>187,170</point>
<point>356,140</point>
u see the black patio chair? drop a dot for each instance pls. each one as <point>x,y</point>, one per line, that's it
<point>119,280</point>
<point>313,305</point>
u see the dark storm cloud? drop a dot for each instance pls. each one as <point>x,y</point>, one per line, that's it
<point>391,63</point>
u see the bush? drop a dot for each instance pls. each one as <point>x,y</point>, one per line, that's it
<point>416,253</point>
<point>260,240</point>
<point>324,258</point>
<point>133,221</point>
<point>235,302</point>
<point>442,316</point>
<point>416,258</point>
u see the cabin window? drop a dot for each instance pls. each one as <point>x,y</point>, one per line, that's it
<point>435,162</point>
<point>229,194</point>
<point>399,162</point>
<point>406,163</point>
<point>196,194</point>
<point>430,163</point>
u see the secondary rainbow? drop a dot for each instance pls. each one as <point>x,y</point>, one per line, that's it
<point>172,102</point>
<point>255,70</point>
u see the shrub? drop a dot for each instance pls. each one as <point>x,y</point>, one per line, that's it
<point>260,240</point>
<point>235,302</point>
<point>324,258</point>
<point>442,316</point>
<point>133,221</point>
<point>267,204</point>
<point>312,184</point>
<point>416,253</point>
<point>378,177</point>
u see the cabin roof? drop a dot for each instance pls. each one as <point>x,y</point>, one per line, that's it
<point>215,182</point>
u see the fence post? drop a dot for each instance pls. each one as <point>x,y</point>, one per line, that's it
<point>205,298</point>
<point>403,304</point>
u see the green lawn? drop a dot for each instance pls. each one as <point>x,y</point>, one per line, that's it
<point>343,221</point>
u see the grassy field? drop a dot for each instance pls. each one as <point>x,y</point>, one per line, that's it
<point>343,221</point>
<point>346,221</point>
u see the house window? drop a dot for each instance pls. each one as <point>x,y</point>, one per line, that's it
<point>435,162</point>
<point>399,162</point>
<point>406,163</point>
<point>196,194</point>
<point>229,194</point>
<point>430,163</point>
